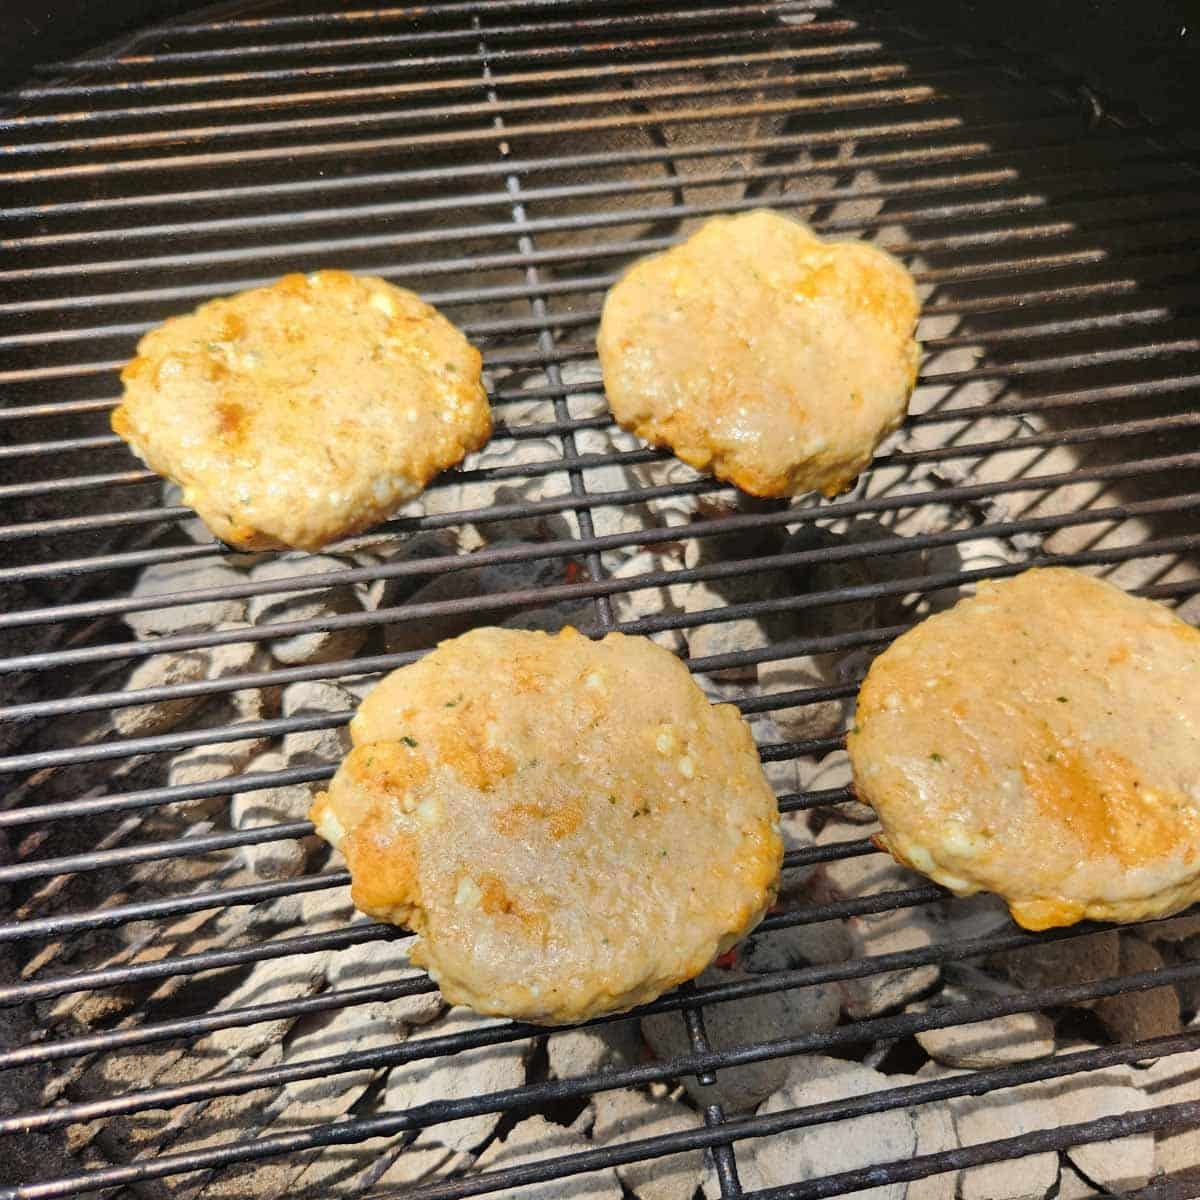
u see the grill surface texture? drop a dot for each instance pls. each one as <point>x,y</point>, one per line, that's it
<point>187,1008</point>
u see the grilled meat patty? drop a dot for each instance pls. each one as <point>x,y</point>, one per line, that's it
<point>1041,740</point>
<point>570,826</point>
<point>299,413</point>
<point>763,354</point>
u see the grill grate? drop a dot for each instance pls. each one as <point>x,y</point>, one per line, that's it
<point>507,158</point>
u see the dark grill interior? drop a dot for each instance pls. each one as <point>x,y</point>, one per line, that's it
<point>506,158</point>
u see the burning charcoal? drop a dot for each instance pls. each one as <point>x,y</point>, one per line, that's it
<point>876,934</point>
<point>1133,1016</point>
<point>1121,1164</point>
<point>191,575</point>
<point>467,1074</point>
<point>161,670</point>
<point>272,806</point>
<point>312,604</point>
<point>736,1023</point>
<point>827,1149</point>
<point>577,1052</point>
<point>809,719</point>
<point>535,1140</point>
<point>522,575</point>
<point>626,1115</point>
<point>1075,960</point>
<point>396,589</point>
<point>1017,1037</point>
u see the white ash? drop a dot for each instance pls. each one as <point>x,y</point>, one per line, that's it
<point>466,1075</point>
<point>265,807</point>
<point>1174,1079</point>
<point>327,908</point>
<point>832,773</point>
<point>1119,1164</point>
<point>783,774</point>
<point>768,951</point>
<point>535,1140</point>
<point>666,599</point>
<point>936,1132</point>
<point>381,961</point>
<point>161,670</point>
<point>314,603</point>
<point>1016,1037</point>
<point>1003,1113</point>
<point>418,1162</point>
<point>716,637</point>
<point>797,835</point>
<point>574,1053</point>
<point>211,761</point>
<point>160,579</point>
<point>271,980</point>
<point>453,496</point>
<point>317,747</point>
<point>737,1023</point>
<point>962,918</point>
<point>812,1152</point>
<point>876,934</point>
<point>625,1115</point>
<point>359,1028</point>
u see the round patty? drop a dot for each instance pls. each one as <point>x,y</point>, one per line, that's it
<point>569,825</point>
<point>1042,741</point>
<point>295,414</point>
<point>758,352</point>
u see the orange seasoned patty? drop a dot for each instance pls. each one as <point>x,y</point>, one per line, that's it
<point>562,851</point>
<point>763,354</point>
<point>295,414</point>
<point>1041,740</point>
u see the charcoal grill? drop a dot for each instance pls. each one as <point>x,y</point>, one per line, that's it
<point>507,158</point>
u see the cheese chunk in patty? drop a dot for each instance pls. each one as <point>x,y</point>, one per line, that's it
<point>302,412</point>
<point>570,826</point>
<point>1041,740</point>
<point>763,354</point>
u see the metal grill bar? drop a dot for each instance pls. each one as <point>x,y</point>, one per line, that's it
<point>940,1089</point>
<point>591,134</point>
<point>419,1049</point>
<point>691,17</point>
<point>747,35</point>
<point>731,569</point>
<point>656,156</point>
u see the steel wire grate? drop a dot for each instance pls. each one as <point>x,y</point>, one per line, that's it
<point>507,158</point>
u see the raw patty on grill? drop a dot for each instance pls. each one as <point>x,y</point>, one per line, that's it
<point>763,354</point>
<point>1041,740</point>
<point>295,414</point>
<point>569,825</point>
